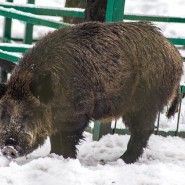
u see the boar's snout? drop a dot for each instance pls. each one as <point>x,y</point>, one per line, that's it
<point>10,152</point>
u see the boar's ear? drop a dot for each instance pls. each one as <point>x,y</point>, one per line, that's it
<point>2,89</point>
<point>41,87</point>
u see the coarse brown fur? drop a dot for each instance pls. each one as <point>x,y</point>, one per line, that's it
<point>95,10</point>
<point>92,71</point>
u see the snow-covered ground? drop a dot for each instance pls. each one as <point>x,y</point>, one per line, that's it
<point>98,163</point>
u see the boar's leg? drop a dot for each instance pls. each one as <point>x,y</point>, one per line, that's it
<point>64,143</point>
<point>55,141</point>
<point>141,127</point>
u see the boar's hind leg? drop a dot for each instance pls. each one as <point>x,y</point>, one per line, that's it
<point>64,143</point>
<point>141,127</point>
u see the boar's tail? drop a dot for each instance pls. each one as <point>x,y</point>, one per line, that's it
<point>174,104</point>
<point>7,65</point>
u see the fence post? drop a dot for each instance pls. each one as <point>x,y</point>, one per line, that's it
<point>118,11</point>
<point>109,10</point>
<point>6,38</point>
<point>115,10</point>
<point>28,37</point>
<point>101,129</point>
<point>7,28</point>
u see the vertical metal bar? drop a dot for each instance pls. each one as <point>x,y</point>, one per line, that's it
<point>109,10</point>
<point>115,126</point>
<point>7,28</point>
<point>28,36</point>
<point>96,131</point>
<point>118,10</point>
<point>101,129</point>
<point>179,112</point>
<point>6,38</point>
<point>158,119</point>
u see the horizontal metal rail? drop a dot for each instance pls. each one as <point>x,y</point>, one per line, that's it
<point>154,18</point>
<point>44,10</point>
<point>160,132</point>
<point>126,131</point>
<point>177,41</point>
<point>31,18</point>
<point>17,48</point>
<point>9,56</point>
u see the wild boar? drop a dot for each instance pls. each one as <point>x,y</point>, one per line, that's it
<point>91,71</point>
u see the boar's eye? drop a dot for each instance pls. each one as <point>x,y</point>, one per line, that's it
<point>4,114</point>
<point>29,113</point>
<point>41,87</point>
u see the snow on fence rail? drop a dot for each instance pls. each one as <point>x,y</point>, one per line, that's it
<point>31,18</point>
<point>44,10</point>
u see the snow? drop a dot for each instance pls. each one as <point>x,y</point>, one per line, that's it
<point>98,163</point>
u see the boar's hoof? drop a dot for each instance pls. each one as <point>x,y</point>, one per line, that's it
<point>129,158</point>
<point>10,152</point>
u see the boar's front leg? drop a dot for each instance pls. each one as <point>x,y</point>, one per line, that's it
<point>141,126</point>
<point>55,141</point>
<point>64,143</point>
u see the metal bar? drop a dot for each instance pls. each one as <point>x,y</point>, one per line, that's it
<point>182,89</point>
<point>44,10</point>
<point>17,48</point>
<point>76,12</point>
<point>115,126</point>
<point>9,56</point>
<point>154,18</point>
<point>161,133</point>
<point>178,117</point>
<point>7,28</point>
<point>30,18</point>
<point>109,10</point>
<point>28,35</point>
<point>177,41</point>
<point>96,131</point>
<point>20,39</point>
<point>158,120</point>
<point>118,10</point>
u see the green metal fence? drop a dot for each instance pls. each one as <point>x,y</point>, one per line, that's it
<point>34,15</point>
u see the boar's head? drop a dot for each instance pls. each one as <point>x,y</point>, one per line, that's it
<point>25,114</point>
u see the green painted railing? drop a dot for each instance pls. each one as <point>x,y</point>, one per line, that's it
<point>28,37</point>
<point>31,18</point>
<point>115,10</point>
<point>154,18</point>
<point>9,56</point>
<point>15,48</point>
<point>44,10</point>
